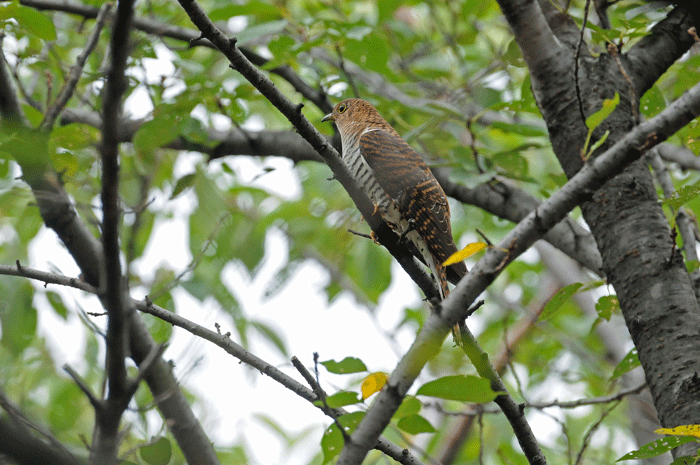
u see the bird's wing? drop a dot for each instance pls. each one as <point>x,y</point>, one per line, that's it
<point>405,177</point>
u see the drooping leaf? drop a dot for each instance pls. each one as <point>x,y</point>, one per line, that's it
<point>656,448</point>
<point>630,361</point>
<point>606,305</point>
<point>465,388</point>
<point>340,399</point>
<point>409,406</point>
<point>345,366</point>
<point>157,452</point>
<point>332,441</point>
<point>562,296</point>
<point>414,424</point>
<point>465,253</point>
<point>683,430</point>
<point>609,105</point>
<point>374,382</point>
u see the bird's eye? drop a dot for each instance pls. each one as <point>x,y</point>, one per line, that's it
<point>342,107</point>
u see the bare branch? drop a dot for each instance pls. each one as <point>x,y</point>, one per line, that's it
<point>513,204</point>
<point>10,109</point>
<point>669,39</point>
<point>26,448</point>
<point>222,340</point>
<point>537,42</point>
<point>47,278</point>
<point>683,156</point>
<point>97,403</point>
<point>76,70</point>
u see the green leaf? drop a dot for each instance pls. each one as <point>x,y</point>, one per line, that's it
<point>260,10</point>
<point>606,305</point>
<point>340,399</point>
<point>269,333</point>
<point>332,442</point>
<point>56,302</point>
<point>630,361</point>
<point>74,136</point>
<point>253,33</point>
<point>157,453</point>
<point>410,406</point>
<point>656,448</point>
<point>17,317</point>
<point>599,116</point>
<point>465,388</point>
<point>346,366</point>
<point>682,196</point>
<point>183,183</point>
<point>522,129</point>
<point>562,296</point>
<point>652,102</point>
<point>685,460</point>
<point>598,143</point>
<point>156,133</point>
<point>34,116</point>
<point>414,424</point>
<point>65,407</point>
<point>31,20</point>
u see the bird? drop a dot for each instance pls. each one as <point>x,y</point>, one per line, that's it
<point>400,185</point>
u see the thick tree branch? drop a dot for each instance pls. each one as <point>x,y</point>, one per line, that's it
<point>649,58</point>
<point>683,156</point>
<point>10,109</point>
<point>538,43</point>
<point>18,441</point>
<point>108,415</point>
<point>514,204</point>
<point>26,449</point>
<point>550,212</point>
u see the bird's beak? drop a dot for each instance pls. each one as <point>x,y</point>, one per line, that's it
<point>328,117</point>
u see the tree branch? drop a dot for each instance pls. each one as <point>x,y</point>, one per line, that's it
<point>649,58</point>
<point>539,46</point>
<point>108,415</point>
<point>25,449</point>
<point>223,341</point>
<point>10,109</point>
<point>550,212</point>
<point>317,96</point>
<point>513,204</point>
<point>240,63</point>
<point>76,70</point>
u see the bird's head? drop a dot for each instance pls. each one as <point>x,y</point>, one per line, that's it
<point>354,111</point>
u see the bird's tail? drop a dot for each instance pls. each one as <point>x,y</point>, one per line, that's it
<point>441,272</point>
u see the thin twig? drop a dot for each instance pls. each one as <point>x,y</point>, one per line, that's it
<point>47,278</point>
<point>592,429</point>
<point>76,70</point>
<point>98,404</point>
<point>577,58</point>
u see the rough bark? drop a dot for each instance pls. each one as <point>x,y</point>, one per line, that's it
<point>639,255</point>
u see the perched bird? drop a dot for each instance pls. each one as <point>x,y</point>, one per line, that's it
<point>399,184</point>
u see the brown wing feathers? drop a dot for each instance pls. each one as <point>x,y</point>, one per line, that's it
<point>406,178</point>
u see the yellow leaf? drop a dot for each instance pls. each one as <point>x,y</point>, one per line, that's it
<point>373,383</point>
<point>683,430</point>
<point>466,252</point>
